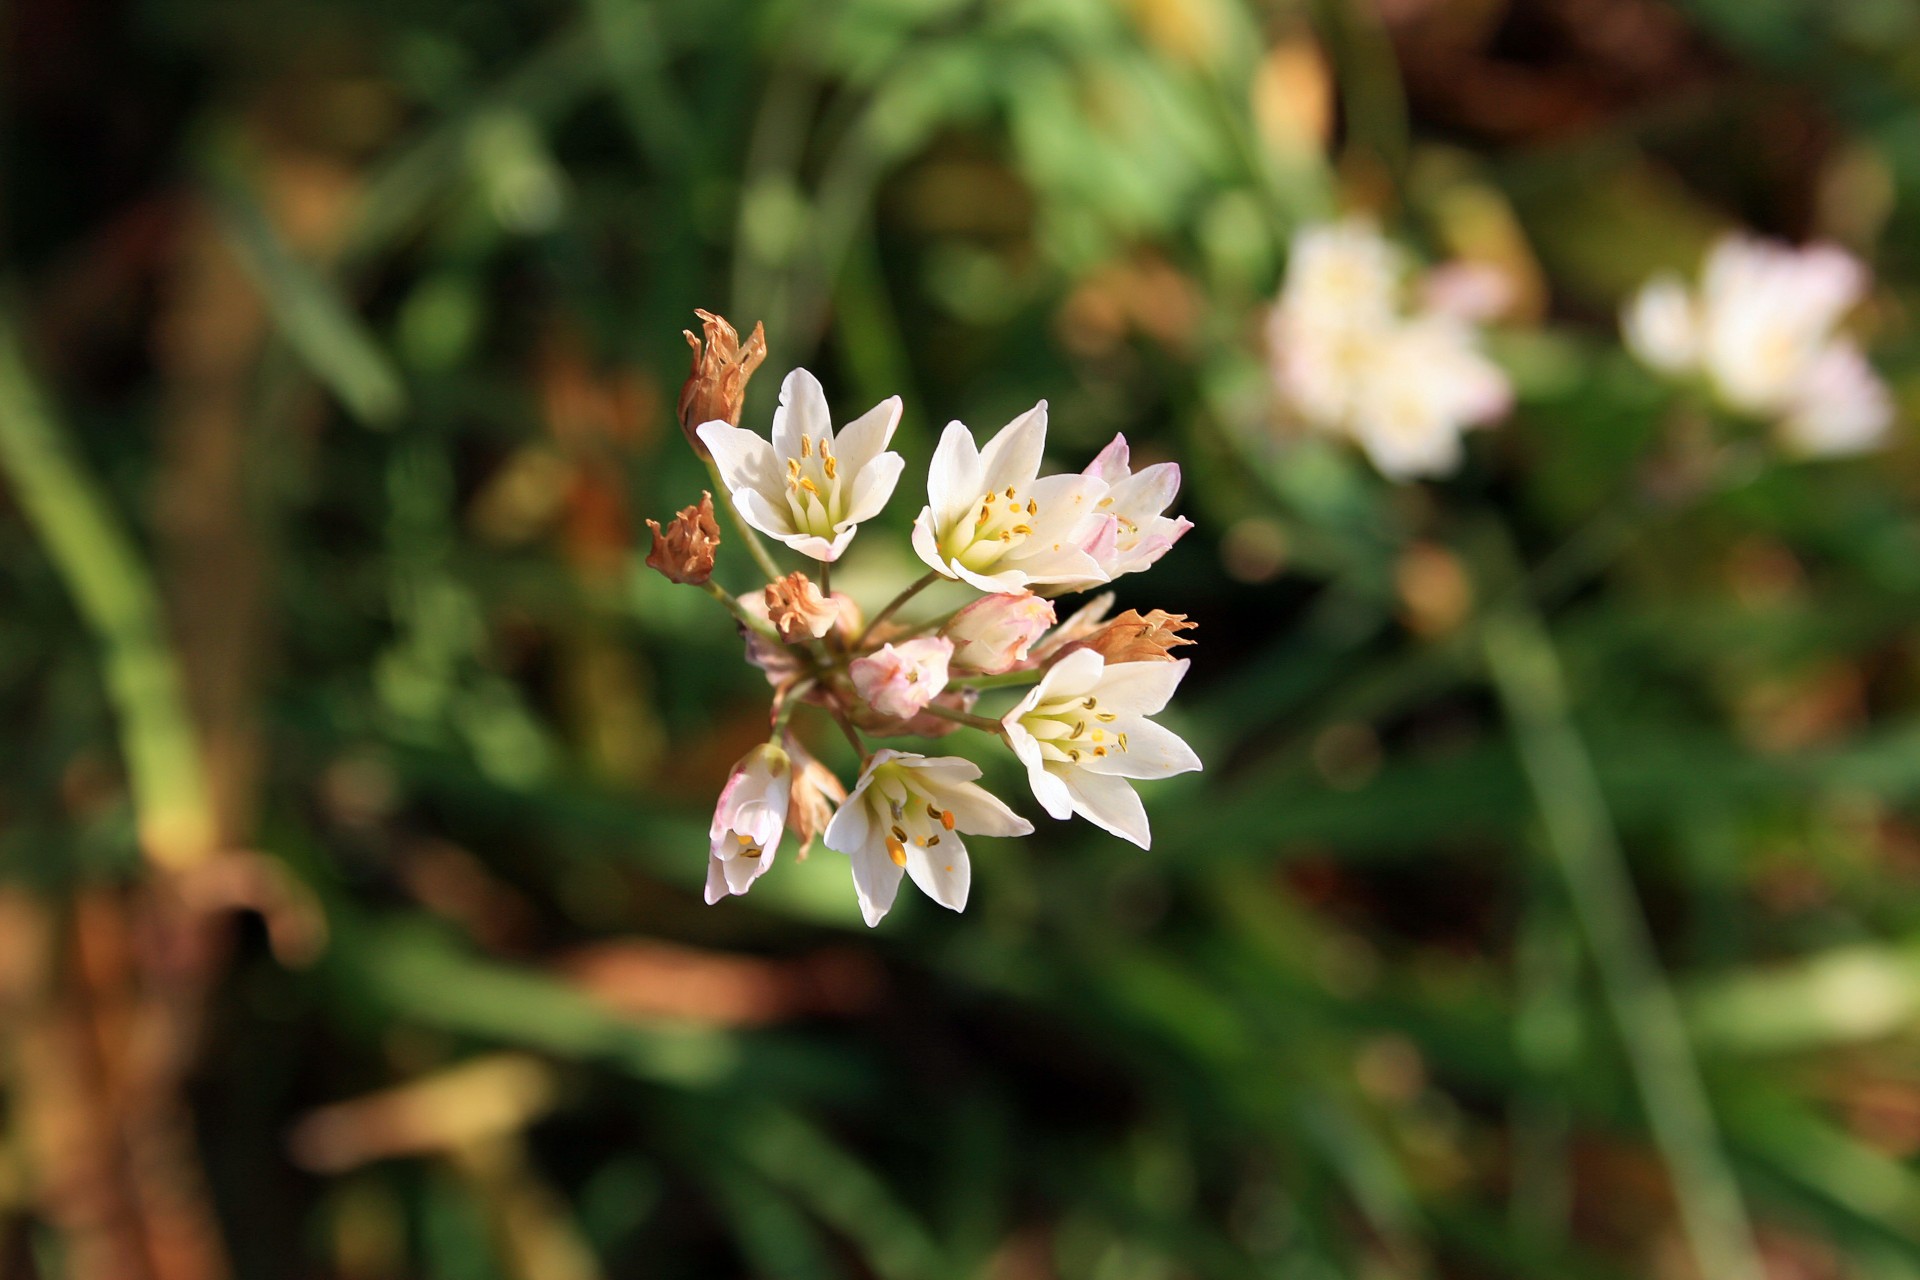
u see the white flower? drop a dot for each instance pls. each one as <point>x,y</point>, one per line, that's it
<point>994,633</point>
<point>1840,406</point>
<point>907,814</point>
<point>748,820</point>
<point>1350,360</point>
<point>994,522</point>
<point>810,488</point>
<point>1132,532</point>
<point>1083,731</point>
<point>1661,327</point>
<point>1425,384</point>
<point>899,680</point>
<point>1764,330</point>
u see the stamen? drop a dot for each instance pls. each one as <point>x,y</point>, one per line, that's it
<point>1099,752</point>
<point>828,462</point>
<point>1106,502</point>
<point>1009,493</point>
<point>1123,742</point>
<point>743,837</point>
<point>899,833</point>
<point>932,841</point>
<point>1033,507</point>
<point>806,446</point>
<point>806,483</point>
<point>1023,529</point>
<point>1108,716</point>
<point>1073,755</point>
<point>1079,728</point>
<point>751,851</point>
<point>1090,703</point>
<point>896,851</point>
<point>946,819</point>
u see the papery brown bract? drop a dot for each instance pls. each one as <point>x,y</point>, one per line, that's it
<point>1132,637</point>
<point>716,389</point>
<point>684,550</point>
<point>797,610</point>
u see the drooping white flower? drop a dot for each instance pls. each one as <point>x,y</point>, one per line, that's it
<point>1083,731</point>
<point>901,679</point>
<point>1349,358</point>
<point>1132,532</point>
<point>748,821</point>
<point>1764,332</point>
<point>993,521</point>
<point>1425,383</point>
<point>811,487</point>
<point>994,633</point>
<point>907,815</point>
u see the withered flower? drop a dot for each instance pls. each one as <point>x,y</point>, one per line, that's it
<point>797,610</point>
<point>717,387</point>
<point>816,794</point>
<point>1133,638</point>
<point>684,550</point>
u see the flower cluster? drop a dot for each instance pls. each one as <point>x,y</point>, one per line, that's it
<point>1360,350</point>
<point>1762,330</point>
<point>992,522</point>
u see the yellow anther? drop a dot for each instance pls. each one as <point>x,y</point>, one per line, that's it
<point>751,851</point>
<point>1099,735</point>
<point>896,851</point>
<point>1090,703</point>
<point>899,833</point>
<point>743,837</point>
<point>946,819</point>
<point>932,841</point>
<point>1009,493</point>
<point>1023,529</point>
<point>807,484</point>
<point>1106,502</point>
<point>1108,716</point>
<point>1073,755</point>
<point>1033,507</point>
<point>793,468</point>
<point>827,462</point>
<point>806,446</point>
<point>1123,742</point>
<point>1079,728</point>
<point>1099,752</point>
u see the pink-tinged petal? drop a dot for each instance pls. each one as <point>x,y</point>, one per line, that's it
<point>716,881</point>
<point>1137,688</point>
<point>1146,494</point>
<point>954,476</point>
<point>742,872</point>
<point>1110,804</point>
<point>1110,464</point>
<point>745,460</point>
<point>873,484</point>
<point>1013,456</point>
<point>942,872</point>
<point>803,411</point>
<point>1062,503</point>
<point>867,436</point>
<point>1153,751</point>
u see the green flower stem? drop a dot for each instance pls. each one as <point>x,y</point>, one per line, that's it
<point>748,534</point>
<point>114,591</point>
<point>893,606</point>
<point>1004,680</point>
<point>1580,835</point>
<point>985,724</point>
<point>759,626</point>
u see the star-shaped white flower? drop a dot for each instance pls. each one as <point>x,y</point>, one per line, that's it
<point>993,521</point>
<point>1131,533</point>
<point>810,488</point>
<point>1083,731</point>
<point>906,816</point>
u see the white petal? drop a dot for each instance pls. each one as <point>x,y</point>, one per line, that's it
<point>867,436</point>
<point>1049,790</point>
<point>810,544</point>
<point>1147,494</point>
<point>979,812</point>
<point>999,582</point>
<point>942,872</point>
<point>1153,751</point>
<point>1081,672</point>
<point>851,825</point>
<point>745,460</point>
<point>1013,456</point>
<point>716,881</point>
<point>873,484</point>
<point>742,872</point>
<point>926,547</point>
<point>802,411</point>
<point>954,475</point>
<point>1139,688</point>
<point>1108,803</point>
<point>1110,464</point>
<point>876,880</point>
<point>770,518</point>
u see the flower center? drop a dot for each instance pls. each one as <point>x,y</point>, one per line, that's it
<point>1071,730</point>
<point>993,526</point>
<point>814,493</point>
<point>908,812</point>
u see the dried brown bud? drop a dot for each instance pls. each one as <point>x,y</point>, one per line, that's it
<point>684,550</point>
<point>797,610</point>
<point>1132,638</point>
<point>717,387</point>
<point>816,793</point>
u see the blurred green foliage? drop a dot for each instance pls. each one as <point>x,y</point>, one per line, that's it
<point>1547,907</point>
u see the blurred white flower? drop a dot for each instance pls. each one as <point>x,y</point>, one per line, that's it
<point>748,821</point>
<point>1349,358</point>
<point>993,521</point>
<point>907,815</point>
<point>1764,332</point>
<point>1083,731</point>
<point>810,488</point>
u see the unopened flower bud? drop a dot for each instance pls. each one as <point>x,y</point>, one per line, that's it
<point>1133,638</point>
<point>683,551</point>
<point>994,633</point>
<point>717,387</point>
<point>797,610</point>
<point>816,794</point>
<point>899,680</point>
<point>748,820</point>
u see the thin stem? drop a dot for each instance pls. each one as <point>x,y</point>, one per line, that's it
<point>1580,835</point>
<point>748,534</point>
<point>986,724</point>
<point>760,626</point>
<point>853,734</point>
<point>1002,680</point>
<point>893,606</point>
<point>784,705</point>
<point>826,578</point>
<point>115,594</point>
